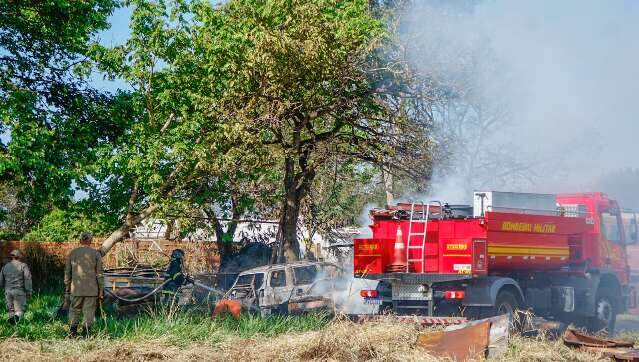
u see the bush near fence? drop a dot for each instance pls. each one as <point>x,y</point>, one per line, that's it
<point>46,259</point>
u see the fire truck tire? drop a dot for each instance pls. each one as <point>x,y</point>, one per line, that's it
<point>506,303</point>
<point>605,313</point>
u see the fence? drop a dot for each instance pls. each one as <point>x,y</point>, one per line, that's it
<point>200,256</point>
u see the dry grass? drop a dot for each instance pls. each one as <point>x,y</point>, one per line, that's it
<point>543,349</point>
<point>339,341</point>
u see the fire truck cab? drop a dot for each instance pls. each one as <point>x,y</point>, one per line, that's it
<point>561,256</point>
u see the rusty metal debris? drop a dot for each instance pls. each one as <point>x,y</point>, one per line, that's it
<point>499,333</point>
<point>574,338</point>
<point>619,350</point>
<point>470,342</point>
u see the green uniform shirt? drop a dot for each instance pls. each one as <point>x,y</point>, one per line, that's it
<point>83,272</point>
<point>15,276</point>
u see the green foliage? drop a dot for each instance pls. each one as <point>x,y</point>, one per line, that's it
<point>161,145</point>
<point>47,109</point>
<point>63,225</point>
<point>172,156</point>
<point>309,81</point>
<point>229,109</point>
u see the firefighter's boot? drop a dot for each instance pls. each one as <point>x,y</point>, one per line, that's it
<point>73,331</point>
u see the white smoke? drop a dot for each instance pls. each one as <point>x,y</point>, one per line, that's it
<point>557,78</point>
<point>344,292</point>
<point>349,301</point>
<point>364,220</point>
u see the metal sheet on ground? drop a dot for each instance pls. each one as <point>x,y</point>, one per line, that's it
<point>619,350</point>
<point>499,333</point>
<point>462,344</point>
<point>574,338</point>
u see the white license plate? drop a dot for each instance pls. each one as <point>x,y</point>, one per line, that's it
<point>372,300</point>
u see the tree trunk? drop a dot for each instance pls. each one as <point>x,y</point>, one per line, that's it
<point>223,239</point>
<point>296,185</point>
<point>132,220</point>
<point>288,226</point>
<point>388,186</point>
<point>123,230</point>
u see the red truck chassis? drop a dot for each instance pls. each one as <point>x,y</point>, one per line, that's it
<point>568,263</point>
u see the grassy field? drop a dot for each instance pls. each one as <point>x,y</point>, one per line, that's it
<point>183,326</point>
<point>191,335</point>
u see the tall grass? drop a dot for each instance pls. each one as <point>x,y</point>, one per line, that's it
<point>175,325</point>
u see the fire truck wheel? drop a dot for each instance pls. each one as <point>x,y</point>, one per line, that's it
<point>506,303</point>
<point>605,314</point>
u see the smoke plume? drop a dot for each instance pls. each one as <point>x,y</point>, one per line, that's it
<point>545,92</point>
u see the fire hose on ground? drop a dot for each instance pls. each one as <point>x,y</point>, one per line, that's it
<point>133,300</point>
<point>157,289</point>
<point>62,309</point>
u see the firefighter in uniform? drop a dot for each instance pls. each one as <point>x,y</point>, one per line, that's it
<point>15,278</point>
<point>174,272</point>
<point>84,284</point>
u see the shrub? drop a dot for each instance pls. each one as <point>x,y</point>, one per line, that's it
<point>61,225</point>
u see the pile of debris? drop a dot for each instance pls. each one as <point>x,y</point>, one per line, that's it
<point>616,349</point>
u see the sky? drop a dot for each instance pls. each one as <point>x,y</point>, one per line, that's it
<point>117,34</point>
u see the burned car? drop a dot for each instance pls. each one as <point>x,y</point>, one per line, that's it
<point>287,288</point>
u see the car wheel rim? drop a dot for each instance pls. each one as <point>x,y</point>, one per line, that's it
<point>604,311</point>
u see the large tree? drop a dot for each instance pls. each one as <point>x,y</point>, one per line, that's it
<point>307,80</point>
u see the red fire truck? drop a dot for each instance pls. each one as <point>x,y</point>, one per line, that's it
<point>561,256</point>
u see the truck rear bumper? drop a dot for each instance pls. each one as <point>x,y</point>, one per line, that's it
<point>415,278</point>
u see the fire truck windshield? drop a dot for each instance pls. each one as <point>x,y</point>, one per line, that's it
<point>610,227</point>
